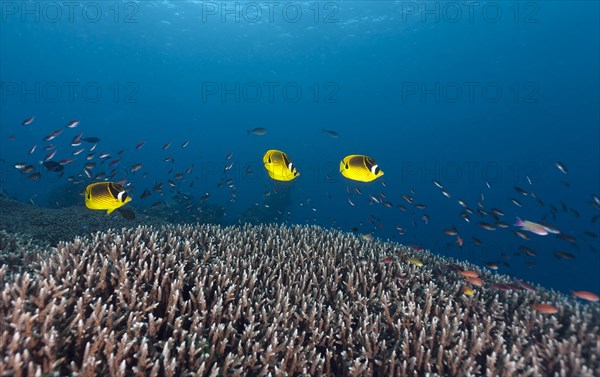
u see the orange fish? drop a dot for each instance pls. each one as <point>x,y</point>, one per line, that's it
<point>459,241</point>
<point>545,308</point>
<point>469,274</point>
<point>585,295</point>
<point>475,281</point>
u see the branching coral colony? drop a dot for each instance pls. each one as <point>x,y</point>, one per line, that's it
<point>206,300</point>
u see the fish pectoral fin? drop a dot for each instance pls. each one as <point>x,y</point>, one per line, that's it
<point>108,211</point>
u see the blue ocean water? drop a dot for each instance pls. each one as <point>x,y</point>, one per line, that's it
<point>481,97</point>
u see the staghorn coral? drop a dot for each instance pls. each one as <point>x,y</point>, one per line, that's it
<point>207,300</point>
<point>18,254</point>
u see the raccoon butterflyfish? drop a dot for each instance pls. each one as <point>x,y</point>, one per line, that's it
<point>360,168</point>
<point>279,166</point>
<point>105,196</point>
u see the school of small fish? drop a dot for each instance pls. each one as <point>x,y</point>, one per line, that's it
<point>101,171</point>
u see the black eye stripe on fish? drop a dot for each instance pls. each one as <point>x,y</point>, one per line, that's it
<point>114,191</point>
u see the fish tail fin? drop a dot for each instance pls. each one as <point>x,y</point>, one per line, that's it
<point>519,222</point>
<point>108,211</point>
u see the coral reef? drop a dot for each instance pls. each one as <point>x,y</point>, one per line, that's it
<point>275,207</point>
<point>202,213</point>
<point>51,225</point>
<point>254,300</point>
<point>18,254</point>
<point>66,195</point>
